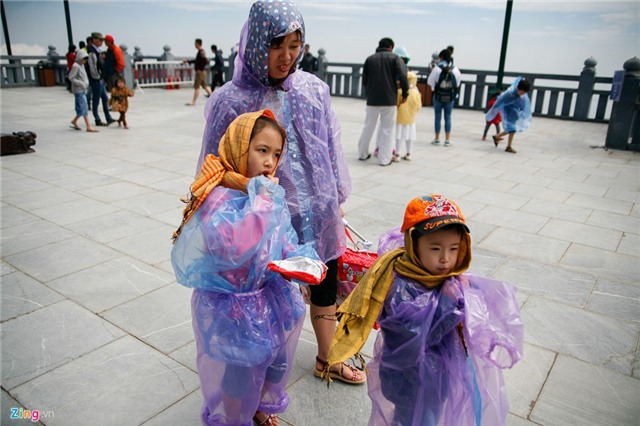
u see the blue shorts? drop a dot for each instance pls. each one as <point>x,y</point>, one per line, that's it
<point>82,108</point>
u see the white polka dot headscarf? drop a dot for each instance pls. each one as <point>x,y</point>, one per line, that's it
<point>267,20</point>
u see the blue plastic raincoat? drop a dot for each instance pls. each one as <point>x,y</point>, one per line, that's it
<point>246,318</point>
<point>515,109</point>
<point>314,172</point>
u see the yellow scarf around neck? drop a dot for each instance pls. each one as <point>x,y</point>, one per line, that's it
<point>360,311</point>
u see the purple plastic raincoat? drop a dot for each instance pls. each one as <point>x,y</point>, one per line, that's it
<point>246,318</point>
<point>313,171</point>
<point>515,109</point>
<point>422,373</point>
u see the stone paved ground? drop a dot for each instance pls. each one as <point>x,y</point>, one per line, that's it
<point>96,331</point>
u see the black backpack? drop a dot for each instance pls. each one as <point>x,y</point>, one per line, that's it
<point>446,89</point>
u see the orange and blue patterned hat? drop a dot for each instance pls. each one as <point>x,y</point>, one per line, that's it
<point>429,213</point>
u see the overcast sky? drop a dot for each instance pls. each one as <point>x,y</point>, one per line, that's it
<point>550,36</point>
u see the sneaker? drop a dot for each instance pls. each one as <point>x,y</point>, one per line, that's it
<point>395,158</point>
<point>407,157</point>
<point>365,158</point>
<point>435,142</point>
<point>447,142</point>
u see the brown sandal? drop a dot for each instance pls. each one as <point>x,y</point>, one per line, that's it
<point>357,377</point>
<point>269,420</point>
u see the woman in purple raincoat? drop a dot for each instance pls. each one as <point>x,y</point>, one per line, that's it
<point>313,170</point>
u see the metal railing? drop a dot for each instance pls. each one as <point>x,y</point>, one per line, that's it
<point>168,74</point>
<point>551,95</point>
<point>583,97</point>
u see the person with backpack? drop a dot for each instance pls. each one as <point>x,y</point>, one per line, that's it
<point>444,80</point>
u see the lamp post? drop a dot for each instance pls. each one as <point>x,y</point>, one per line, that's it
<point>5,28</point>
<point>505,39</point>
<point>67,16</point>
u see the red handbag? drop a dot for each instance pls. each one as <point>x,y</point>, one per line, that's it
<point>352,266</point>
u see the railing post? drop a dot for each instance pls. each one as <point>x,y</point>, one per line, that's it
<point>137,54</point>
<point>585,89</point>
<point>128,67</point>
<point>228,73</point>
<point>624,124</point>
<point>480,82</point>
<point>322,64</point>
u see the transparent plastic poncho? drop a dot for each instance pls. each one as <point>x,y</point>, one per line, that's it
<point>246,318</point>
<point>422,373</point>
<point>515,109</point>
<point>313,170</point>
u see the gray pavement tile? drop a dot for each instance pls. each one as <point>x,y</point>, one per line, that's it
<point>5,268</point>
<point>84,181</point>
<point>178,187</point>
<point>616,299</point>
<point>61,258</point>
<point>32,200</point>
<point>552,282</point>
<point>313,404</point>
<point>438,186</point>
<point>74,211</point>
<point>623,195</point>
<point>497,198</point>
<point>150,204</point>
<point>114,167</point>
<point>103,382</point>
<point>12,216</point>
<point>149,175</point>
<point>484,262</point>
<point>17,239</point>
<point>185,412</point>
<point>42,340</point>
<point>558,210</point>
<point>583,394</point>
<point>525,379</point>
<point>513,420</point>
<point>111,283</point>
<point>113,226</point>
<point>152,246</point>
<point>186,355</point>
<point>161,318</point>
<point>487,184</point>
<point>600,203</point>
<point>588,235</point>
<point>594,338</point>
<point>510,218</point>
<point>536,191</point>
<point>624,223</point>
<point>629,244</point>
<point>22,294</point>
<point>602,263</point>
<point>21,186</point>
<point>115,191</point>
<point>53,171</point>
<point>520,244</point>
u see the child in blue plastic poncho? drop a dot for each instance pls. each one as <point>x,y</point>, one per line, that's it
<point>515,107</point>
<point>246,318</point>
<point>445,335</point>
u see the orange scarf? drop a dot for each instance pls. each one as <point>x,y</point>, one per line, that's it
<point>228,170</point>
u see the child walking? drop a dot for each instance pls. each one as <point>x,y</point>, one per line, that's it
<point>515,107</point>
<point>445,335</point>
<point>497,119</point>
<point>119,101</point>
<point>246,318</point>
<point>79,85</point>
<point>406,118</point>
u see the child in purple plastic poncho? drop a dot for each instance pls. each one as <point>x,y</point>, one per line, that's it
<point>246,318</point>
<point>445,335</point>
<point>515,107</point>
<point>313,170</point>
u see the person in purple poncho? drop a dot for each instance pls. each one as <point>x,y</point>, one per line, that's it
<point>445,335</point>
<point>313,170</point>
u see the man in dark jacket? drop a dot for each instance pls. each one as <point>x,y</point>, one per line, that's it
<point>96,80</point>
<point>380,75</point>
<point>217,70</point>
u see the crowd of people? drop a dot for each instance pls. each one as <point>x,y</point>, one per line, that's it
<point>264,216</point>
